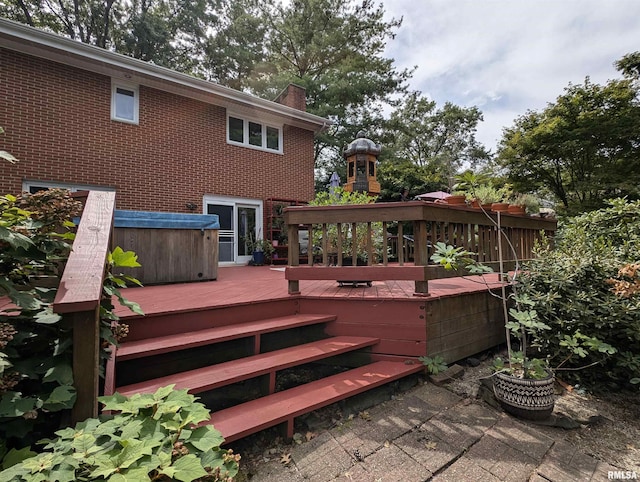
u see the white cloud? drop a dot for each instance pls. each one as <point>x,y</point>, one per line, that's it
<point>508,56</point>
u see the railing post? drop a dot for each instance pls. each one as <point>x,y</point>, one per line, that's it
<point>79,295</point>
<point>294,253</point>
<point>86,363</point>
<point>421,255</point>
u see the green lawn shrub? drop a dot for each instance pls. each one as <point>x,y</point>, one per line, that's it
<point>572,288</point>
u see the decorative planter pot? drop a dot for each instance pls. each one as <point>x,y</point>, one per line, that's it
<point>457,200</point>
<point>500,207</point>
<point>258,258</point>
<point>523,397</point>
<point>478,205</point>
<point>517,209</point>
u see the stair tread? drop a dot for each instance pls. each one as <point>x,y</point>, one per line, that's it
<point>192,339</point>
<point>214,376</point>
<point>250,417</point>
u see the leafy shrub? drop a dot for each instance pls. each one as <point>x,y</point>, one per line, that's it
<point>36,378</point>
<point>572,293</point>
<point>151,437</point>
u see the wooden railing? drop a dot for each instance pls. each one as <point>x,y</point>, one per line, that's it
<point>472,229</point>
<point>79,294</point>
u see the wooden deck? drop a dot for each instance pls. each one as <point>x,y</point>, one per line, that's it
<point>242,285</point>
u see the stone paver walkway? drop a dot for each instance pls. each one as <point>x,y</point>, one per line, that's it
<point>431,434</point>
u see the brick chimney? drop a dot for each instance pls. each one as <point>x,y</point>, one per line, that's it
<point>293,96</point>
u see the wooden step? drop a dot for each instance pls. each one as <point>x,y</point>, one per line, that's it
<point>215,376</point>
<point>192,339</point>
<point>282,407</point>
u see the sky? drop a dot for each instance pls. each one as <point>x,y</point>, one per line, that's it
<point>509,56</point>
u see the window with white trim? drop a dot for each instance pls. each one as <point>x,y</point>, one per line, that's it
<point>125,103</point>
<point>33,187</point>
<point>250,133</point>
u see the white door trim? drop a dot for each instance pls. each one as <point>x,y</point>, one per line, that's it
<point>236,202</point>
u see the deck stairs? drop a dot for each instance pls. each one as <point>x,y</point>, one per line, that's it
<point>239,369</point>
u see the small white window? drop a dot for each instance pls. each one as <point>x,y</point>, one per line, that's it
<point>124,103</point>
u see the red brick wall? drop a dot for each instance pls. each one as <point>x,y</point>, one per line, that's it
<point>57,123</point>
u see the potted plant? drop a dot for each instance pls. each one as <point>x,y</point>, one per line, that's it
<point>260,248</point>
<point>486,195</point>
<point>524,204</point>
<point>523,383</point>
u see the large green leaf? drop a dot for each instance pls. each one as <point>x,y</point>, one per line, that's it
<point>16,240</point>
<point>188,468</point>
<point>16,456</point>
<point>134,475</point>
<point>12,404</point>
<point>61,397</point>
<point>61,372</point>
<point>206,438</point>
<point>47,316</point>
<point>124,259</point>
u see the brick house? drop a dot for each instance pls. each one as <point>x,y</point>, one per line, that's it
<point>81,117</point>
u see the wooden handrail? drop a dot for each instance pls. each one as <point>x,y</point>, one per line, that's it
<point>465,227</point>
<point>79,294</point>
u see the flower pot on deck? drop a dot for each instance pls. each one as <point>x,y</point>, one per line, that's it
<point>500,207</point>
<point>456,200</point>
<point>517,209</point>
<point>478,205</point>
<point>258,258</point>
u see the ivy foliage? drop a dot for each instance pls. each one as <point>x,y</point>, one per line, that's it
<point>571,291</point>
<point>36,376</point>
<point>149,437</point>
<point>36,379</point>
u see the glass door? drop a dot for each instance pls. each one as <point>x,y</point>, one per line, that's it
<point>247,233</point>
<point>226,235</point>
<point>240,222</point>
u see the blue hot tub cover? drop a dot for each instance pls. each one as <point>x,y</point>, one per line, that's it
<point>159,220</point>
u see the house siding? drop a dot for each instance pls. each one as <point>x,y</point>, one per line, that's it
<point>58,124</point>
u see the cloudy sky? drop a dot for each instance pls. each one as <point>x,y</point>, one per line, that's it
<point>508,56</point>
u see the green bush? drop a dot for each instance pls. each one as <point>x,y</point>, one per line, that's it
<point>36,378</point>
<point>571,290</point>
<point>150,437</point>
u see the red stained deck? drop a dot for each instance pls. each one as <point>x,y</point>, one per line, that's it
<point>238,285</point>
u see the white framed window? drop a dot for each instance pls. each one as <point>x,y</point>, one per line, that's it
<point>253,133</point>
<point>33,187</point>
<point>125,103</point>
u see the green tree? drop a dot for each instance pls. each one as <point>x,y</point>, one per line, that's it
<point>236,50</point>
<point>89,21</point>
<point>334,49</point>
<point>583,149</point>
<point>425,146</point>
<point>172,33</point>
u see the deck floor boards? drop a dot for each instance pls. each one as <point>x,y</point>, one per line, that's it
<point>253,284</point>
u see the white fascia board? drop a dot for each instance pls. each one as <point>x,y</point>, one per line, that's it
<point>50,46</point>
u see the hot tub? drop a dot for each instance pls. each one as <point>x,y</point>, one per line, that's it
<point>171,247</point>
